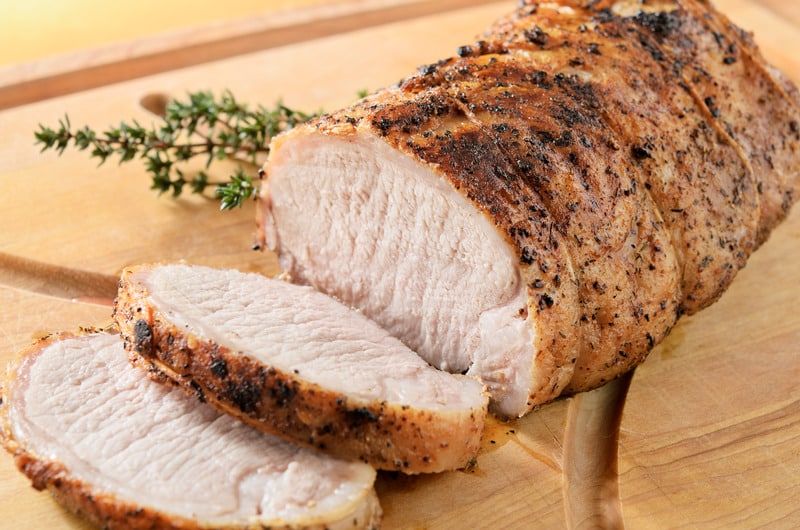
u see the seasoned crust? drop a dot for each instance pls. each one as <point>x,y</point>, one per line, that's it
<point>693,97</point>
<point>673,102</point>
<point>615,283</point>
<point>387,436</point>
<point>106,510</point>
<point>432,126</point>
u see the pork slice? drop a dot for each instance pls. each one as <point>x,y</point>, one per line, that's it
<point>126,452</point>
<point>297,363</point>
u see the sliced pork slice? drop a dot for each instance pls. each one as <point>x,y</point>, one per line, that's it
<point>126,452</point>
<point>295,362</point>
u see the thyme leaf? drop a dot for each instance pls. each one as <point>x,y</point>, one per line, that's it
<point>235,192</point>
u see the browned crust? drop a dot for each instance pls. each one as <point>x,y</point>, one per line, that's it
<point>681,136</point>
<point>663,130</point>
<point>432,126</point>
<point>690,91</point>
<point>385,435</point>
<point>616,240</point>
<point>759,113</point>
<point>603,292</point>
<point>106,510</point>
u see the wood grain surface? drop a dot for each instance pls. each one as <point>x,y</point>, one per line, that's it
<point>38,29</point>
<point>66,73</point>
<point>710,436</point>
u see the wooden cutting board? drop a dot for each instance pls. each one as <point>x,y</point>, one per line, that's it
<point>710,437</point>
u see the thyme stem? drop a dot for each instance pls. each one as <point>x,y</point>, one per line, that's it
<point>202,125</point>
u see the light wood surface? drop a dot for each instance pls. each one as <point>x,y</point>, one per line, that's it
<point>710,435</point>
<point>36,29</point>
<point>65,72</point>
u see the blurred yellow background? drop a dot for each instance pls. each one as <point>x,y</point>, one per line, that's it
<point>33,29</point>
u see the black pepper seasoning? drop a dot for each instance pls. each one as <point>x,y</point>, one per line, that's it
<point>464,51</point>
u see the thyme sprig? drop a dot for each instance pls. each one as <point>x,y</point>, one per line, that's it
<point>201,126</point>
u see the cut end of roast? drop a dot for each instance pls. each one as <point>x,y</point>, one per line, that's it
<point>129,453</point>
<point>297,363</point>
<point>354,218</point>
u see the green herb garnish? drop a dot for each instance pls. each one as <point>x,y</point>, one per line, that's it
<point>202,126</point>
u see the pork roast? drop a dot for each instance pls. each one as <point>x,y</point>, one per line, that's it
<point>125,452</point>
<point>295,362</point>
<point>539,210</point>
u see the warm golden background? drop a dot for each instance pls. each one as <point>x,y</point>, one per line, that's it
<point>33,29</point>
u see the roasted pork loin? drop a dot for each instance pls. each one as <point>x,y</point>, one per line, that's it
<point>539,210</point>
<point>295,362</point>
<point>126,452</point>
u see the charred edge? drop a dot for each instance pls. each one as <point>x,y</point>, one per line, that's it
<point>360,416</point>
<point>480,48</point>
<point>465,51</point>
<point>245,395</point>
<point>528,256</point>
<point>219,368</point>
<point>134,512</point>
<point>640,153</point>
<point>283,392</point>
<point>41,474</point>
<point>545,301</point>
<point>603,16</point>
<point>536,35</point>
<point>143,336</point>
<point>409,118</point>
<point>660,24</point>
<point>201,397</point>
